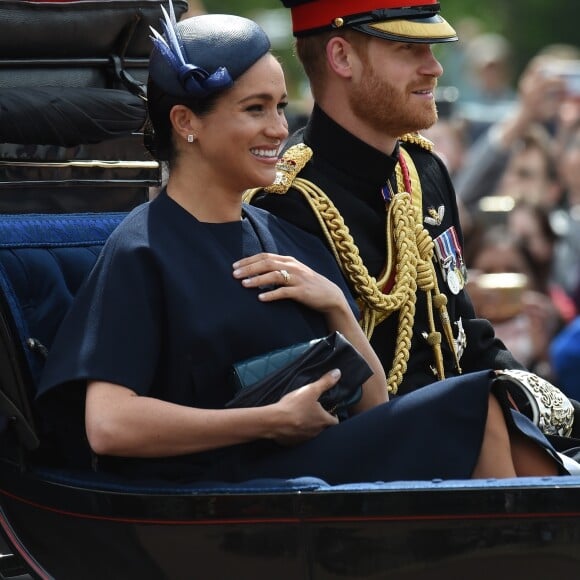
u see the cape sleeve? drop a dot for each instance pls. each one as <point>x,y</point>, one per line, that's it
<point>112,331</point>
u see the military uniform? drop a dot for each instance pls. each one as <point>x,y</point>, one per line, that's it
<point>353,174</point>
<point>392,223</point>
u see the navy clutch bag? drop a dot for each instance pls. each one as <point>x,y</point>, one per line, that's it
<point>265,379</point>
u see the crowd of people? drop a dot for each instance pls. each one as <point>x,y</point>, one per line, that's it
<point>515,167</point>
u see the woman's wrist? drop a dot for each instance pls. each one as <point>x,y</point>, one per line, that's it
<point>267,419</point>
<point>339,313</point>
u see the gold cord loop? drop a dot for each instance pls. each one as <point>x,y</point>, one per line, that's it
<point>410,255</point>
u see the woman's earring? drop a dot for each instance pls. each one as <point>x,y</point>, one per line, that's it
<point>190,138</point>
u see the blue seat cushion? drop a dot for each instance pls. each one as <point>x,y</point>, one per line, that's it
<point>44,258</point>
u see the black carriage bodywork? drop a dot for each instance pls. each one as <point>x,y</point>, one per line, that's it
<point>58,203</point>
<point>59,527</point>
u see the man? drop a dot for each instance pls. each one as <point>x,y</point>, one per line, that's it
<point>345,177</point>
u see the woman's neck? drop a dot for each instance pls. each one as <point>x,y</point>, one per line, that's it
<point>210,204</point>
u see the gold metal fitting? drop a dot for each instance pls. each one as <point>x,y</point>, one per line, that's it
<point>338,22</point>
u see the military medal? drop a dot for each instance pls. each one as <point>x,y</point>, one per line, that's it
<point>451,260</point>
<point>461,340</point>
<point>454,281</point>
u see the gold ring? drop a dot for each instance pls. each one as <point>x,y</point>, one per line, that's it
<point>286,277</point>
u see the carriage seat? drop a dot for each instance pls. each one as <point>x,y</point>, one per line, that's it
<point>43,260</point>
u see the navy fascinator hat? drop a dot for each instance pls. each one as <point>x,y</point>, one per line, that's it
<point>203,55</point>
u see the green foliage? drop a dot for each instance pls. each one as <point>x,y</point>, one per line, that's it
<point>240,7</point>
<point>529,24</point>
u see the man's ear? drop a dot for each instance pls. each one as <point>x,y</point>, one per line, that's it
<point>183,120</point>
<point>339,54</point>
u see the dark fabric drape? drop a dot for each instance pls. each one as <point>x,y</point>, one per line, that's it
<point>68,116</point>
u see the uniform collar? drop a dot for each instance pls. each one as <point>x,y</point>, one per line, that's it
<point>344,151</point>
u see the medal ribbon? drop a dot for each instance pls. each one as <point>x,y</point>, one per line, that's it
<point>386,190</point>
<point>449,250</point>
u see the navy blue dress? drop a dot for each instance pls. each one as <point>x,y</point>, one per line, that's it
<point>162,314</point>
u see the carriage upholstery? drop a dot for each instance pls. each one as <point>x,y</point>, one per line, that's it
<point>72,108</point>
<point>43,260</point>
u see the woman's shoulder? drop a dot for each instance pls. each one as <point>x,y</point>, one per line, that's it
<point>134,222</point>
<point>135,229</point>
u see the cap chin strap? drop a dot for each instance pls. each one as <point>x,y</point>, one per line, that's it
<point>383,14</point>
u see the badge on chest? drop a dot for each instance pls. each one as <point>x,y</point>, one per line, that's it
<point>450,259</point>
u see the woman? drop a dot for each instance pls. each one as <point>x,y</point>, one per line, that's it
<point>194,281</point>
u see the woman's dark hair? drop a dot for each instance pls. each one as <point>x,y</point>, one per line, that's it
<point>159,136</point>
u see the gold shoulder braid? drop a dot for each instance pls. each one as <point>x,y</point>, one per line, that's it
<point>409,251</point>
<point>287,170</point>
<point>418,139</point>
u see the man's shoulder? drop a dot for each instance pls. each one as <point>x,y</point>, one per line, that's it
<point>415,142</point>
<point>422,151</point>
<point>419,149</point>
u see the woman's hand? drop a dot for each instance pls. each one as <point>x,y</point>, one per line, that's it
<point>299,416</point>
<point>291,280</point>
<point>296,281</point>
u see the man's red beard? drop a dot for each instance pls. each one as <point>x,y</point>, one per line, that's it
<point>382,106</point>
